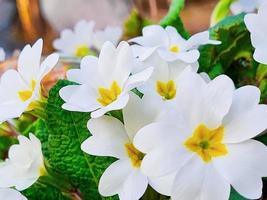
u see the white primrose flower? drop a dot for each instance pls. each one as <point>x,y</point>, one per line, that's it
<point>19,89</point>
<point>24,164</point>
<point>112,34</point>
<point>110,137</point>
<point>2,54</point>
<point>164,81</point>
<point>11,194</point>
<point>210,147</point>
<point>246,6</point>
<point>256,24</point>
<point>169,44</point>
<point>104,82</point>
<point>78,42</point>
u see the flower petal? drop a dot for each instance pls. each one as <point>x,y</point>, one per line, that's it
<point>108,138</point>
<point>11,194</point>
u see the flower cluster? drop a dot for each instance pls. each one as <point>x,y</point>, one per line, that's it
<point>168,127</point>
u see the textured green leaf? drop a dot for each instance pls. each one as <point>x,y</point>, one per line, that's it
<point>173,18</point>
<point>235,52</point>
<point>67,130</point>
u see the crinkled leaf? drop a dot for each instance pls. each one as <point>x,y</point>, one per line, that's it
<point>236,196</point>
<point>67,130</point>
<point>173,18</point>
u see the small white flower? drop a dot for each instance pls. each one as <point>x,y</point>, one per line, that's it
<point>77,42</point>
<point>11,194</point>
<point>19,89</point>
<point>110,137</point>
<point>210,147</point>
<point>169,44</point>
<point>104,82</point>
<point>112,34</point>
<point>246,6</point>
<point>24,164</point>
<point>2,55</point>
<point>164,81</point>
<point>257,26</point>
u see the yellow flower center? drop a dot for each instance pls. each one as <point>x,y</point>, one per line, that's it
<point>166,89</point>
<point>174,48</point>
<point>135,155</point>
<point>107,96</point>
<point>207,143</point>
<point>82,51</point>
<point>42,171</point>
<point>24,95</point>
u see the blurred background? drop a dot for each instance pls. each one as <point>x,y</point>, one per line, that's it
<point>23,21</point>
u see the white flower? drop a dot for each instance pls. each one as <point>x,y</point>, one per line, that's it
<point>104,82</point>
<point>246,6</point>
<point>256,24</point>
<point>210,148</point>
<point>110,137</point>
<point>2,54</point>
<point>169,44</point>
<point>164,81</point>
<point>77,42</point>
<point>11,194</point>
<point>112,34</point>
<point>19,89</point>
<point>24,164</point>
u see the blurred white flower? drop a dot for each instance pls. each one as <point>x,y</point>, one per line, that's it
<point>110,137</point>
<point>11,194</point>
<point>24,164</point>
<point>2,54</point>
<point>112,34</point>
<point>210,148</point>
<point>104,82</point>
<point>257,26</point>
<point>246,6</point>
<point>169,44</point>
<point>77,42</point>
<point>19,89</point>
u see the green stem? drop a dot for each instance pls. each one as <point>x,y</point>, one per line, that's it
<point>221,11</point>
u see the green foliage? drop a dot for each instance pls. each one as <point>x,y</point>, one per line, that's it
<point>67,130</point>
<point>235,196</point>
<point>221,11</point>
<point>173,18</point>
<point>5,142</point>
<point>234,56</point>
<point>134,24</point>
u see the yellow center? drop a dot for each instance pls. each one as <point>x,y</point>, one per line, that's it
<point>135,155</point>
<point>82,51</point>
<point>42,171</point>
<point>207,143</point>
<point>24,95</point>
<point>107,96</point>
<point>166,89</point>
<point>174,49</point>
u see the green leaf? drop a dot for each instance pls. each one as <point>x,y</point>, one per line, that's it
<point>261,72</point>
<point>173,18</point>
<point>236,196</point>
<point>235,52</point>
<point>67,130</point>
<point>221,11</point>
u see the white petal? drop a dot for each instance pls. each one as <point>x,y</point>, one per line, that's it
<point>243,167</point>
<point>217,100</point>
<point>163,184</point>
<point>47,65</point>
<point>199,181</point>
<point>188,56</point>
<point>246,125</point>
<point>116,105</point>
<point>108,138</point>
<point>112,180</point>
<point>29,61</point>
<point>138,79</point>
<point>162,161</point>
<point>2,54</point>
<point>134,186</point>
<point>174,36</point>
<point>205,77</point>
<point>11,194</point>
